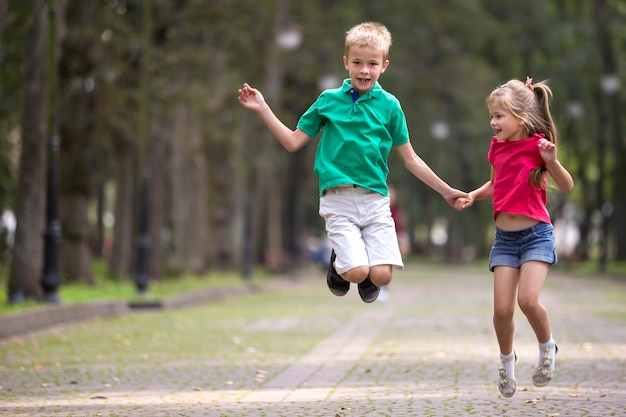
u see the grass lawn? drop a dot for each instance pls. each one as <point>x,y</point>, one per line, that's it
<point>106,288</point>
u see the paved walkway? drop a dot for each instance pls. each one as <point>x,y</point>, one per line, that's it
<point>428,351</point>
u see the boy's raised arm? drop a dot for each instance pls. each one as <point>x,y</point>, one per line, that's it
<point>252,99</point>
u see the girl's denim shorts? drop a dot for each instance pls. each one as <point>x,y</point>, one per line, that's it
<point>513,248</point>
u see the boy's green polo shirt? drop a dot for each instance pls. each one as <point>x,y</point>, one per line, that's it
<point>356,136</point>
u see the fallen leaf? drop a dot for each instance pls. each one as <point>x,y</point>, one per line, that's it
<point>197,389</point>
<point>522,389</point>
<point>554,415</point>
<point>98,397</point>
<point>45,385</point>
<point>533,401</point>
<point>573,395</point>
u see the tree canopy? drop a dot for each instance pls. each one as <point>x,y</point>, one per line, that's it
<point>147,92</point>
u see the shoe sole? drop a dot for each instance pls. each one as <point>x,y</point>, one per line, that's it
<point>337,292</point>
<point>371,298</point>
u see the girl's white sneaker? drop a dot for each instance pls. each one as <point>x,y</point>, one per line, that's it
<point>506,385</point>
<point>545,369</point>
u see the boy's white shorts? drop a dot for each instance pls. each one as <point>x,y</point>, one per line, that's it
<point>360,228</point>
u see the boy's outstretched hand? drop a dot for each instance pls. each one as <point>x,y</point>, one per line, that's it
<point>250,98</point>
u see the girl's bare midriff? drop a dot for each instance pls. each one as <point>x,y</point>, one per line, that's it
<point>512,222</point>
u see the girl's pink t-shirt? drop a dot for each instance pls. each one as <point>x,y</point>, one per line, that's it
<point>512,190</point>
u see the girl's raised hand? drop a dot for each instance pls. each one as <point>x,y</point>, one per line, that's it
<point>547,150</point>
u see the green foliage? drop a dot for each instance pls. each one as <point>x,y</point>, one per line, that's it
<point>445,58</point>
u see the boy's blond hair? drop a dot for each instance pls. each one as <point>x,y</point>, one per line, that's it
<point>371,34</point>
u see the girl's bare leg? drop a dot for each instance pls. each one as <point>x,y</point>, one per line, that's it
<point>532,277</point>
<point>505,281</point>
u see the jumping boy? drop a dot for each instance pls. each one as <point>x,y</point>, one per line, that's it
<point>360,123</point>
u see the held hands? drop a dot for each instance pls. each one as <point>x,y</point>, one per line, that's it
<point>250,98</point>
<point>462,203</point>
<point>455,197</point>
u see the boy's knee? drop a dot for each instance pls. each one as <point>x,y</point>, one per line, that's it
<point>356,275</point>
<point>380,275</point>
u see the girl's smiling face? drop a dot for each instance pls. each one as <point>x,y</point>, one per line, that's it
<point>505,125</point>
<point>364,65</point>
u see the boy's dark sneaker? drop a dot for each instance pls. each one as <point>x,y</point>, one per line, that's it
<point>337,285</point>
<point>368,291</point>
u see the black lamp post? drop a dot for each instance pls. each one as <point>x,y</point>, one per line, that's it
<point>51,279</point>
<point>142,272</point>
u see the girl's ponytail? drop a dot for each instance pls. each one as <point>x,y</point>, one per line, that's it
<point>543,123</point>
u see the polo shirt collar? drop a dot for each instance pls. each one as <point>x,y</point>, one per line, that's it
<point>374,92</point>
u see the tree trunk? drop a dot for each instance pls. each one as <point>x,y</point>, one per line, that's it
<point>120,263</point>
<point>187,192</point>
<point>155,203</point>
<point>79,163</point>
<point>76,253</point>
<point>613,214</point>
<point>274,168</point>
<point>4,5</point>
<point>26,265</point>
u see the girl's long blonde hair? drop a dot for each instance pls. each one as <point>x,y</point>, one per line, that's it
<point>530,103</point>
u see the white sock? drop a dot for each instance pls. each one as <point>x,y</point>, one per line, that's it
<point>509,364</point>
<point>551,346</point>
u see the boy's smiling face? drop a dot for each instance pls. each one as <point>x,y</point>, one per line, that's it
<point>364,65</point>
